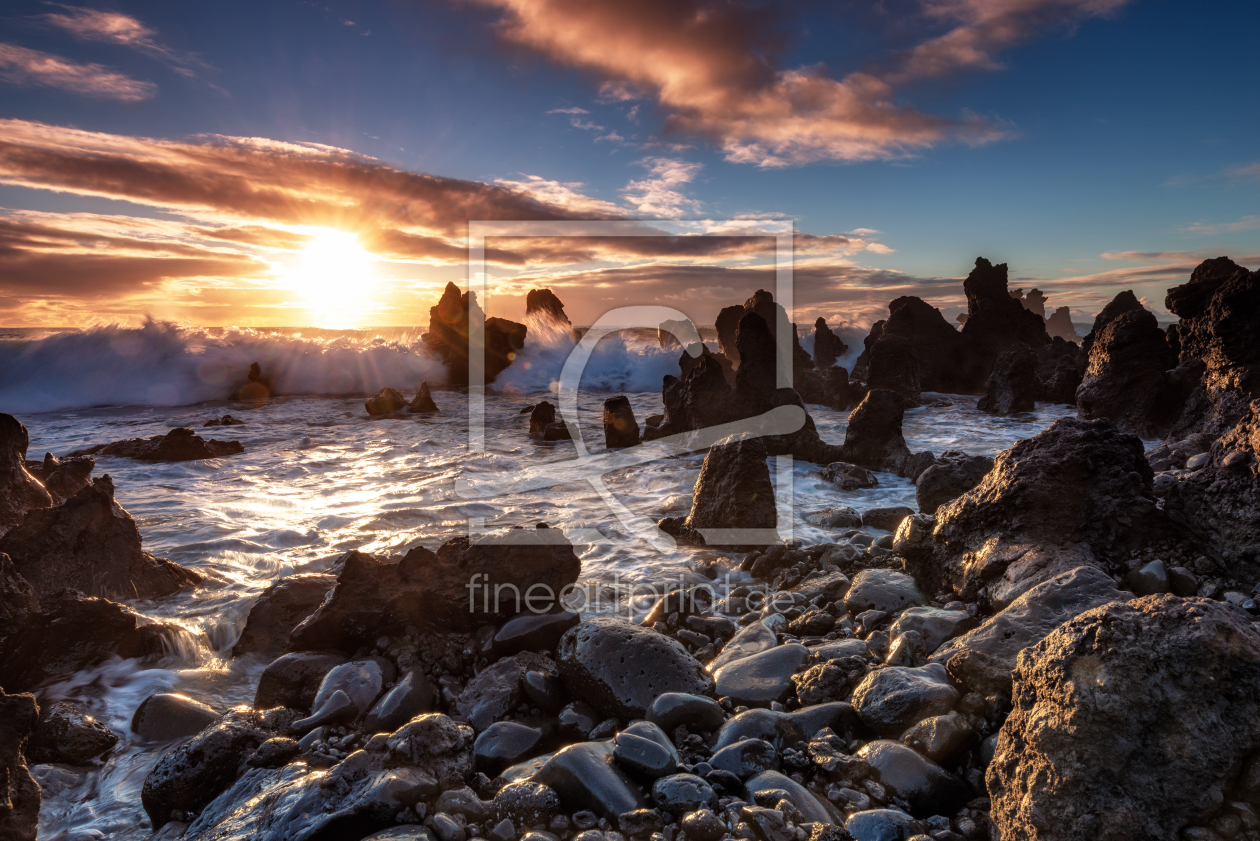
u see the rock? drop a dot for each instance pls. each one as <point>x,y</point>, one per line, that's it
<point>939,737</point>
<point>388,401</point>
<point>226,420</point>
<point>812,623</point>
<point>733,491</point>
<point>578,719</point>
<point>620,428</point>
<point>63,477</point>
<point>1033,615</point>
<point>911,777</point>
<point>1076,489</point>
<point>1060,369</point>
<point>525,804</point>
<point>812,809</point>
<point>679,794</point>
<point>746,758</point>
<point>422,403</point>
<point>840,517</point>
<point>935,624</point>
<point>257,387</point>
<point>761,304</point>
<point>886,518</point>
<point>403,832</point>
<point>280,608</point>
<point>698,713</point>
<point>882,589</point>
<point>892,699</point>
<point>827,346</point>
<point>873,439</point>
<point>894,365</point>
<point>1116,733</point>
<point>469,582</point>
<point>543,304</point>
<point>411,696</point>
<point>829,387</point>
<point>506,743</point>
<point>882,825</point>
<point>90,543</point>
<point>995,320</point>
<point>20,795</point>
<point>68,734</point>
<point>643,749</point>
<point>1126,381</point>
<point>534,632</point>
<point>448,336</point>
<point>585,777</point>
<point>1012,386</point>
<point>948,362</point>
<point>621,669</point>
<point>1059,325</point>
<point>1149,579</point>
<point>953,474</point>
<point>181,444</point>
<point>170,715</point>
<point>361,680</point>
<point>849,477</point>
<point>496,690</point>
<point>19,606</point>
<point>292,680</point>
<point>702,824</point>
<point>761,679</point>
<point>545,424</point>
<point>436,745</point>
<point>700,399</point>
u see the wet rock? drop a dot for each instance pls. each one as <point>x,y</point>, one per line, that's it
<point>702,824</point>
<point>840,517</point>
<point>68,734</point>
<point>621,669</point>
<point>533,632</point>
<point>911,777</point>
<point>886,518</point>
<point>585,777</point>
<point>733,491</point>
<point>280,608</point>
<point>170,715</point>
<point>894,365</point>
<point>746,758</point>
<point>849,477</point>
<point>1034,615</point>
<point>1149,579</point>
<point>578,719</point>
<point>953,474</point>
<point>828,347</point>
<point>1012,386</point>
<point>882,825</point>
<point>1126,380</point>
<point>761,679</point>
<point>293,680</point>
<point>18,603</point>
<point>525,804</point>
<point>91,544</point>
<point>936,625</point>
<point>431,590</point>
<point>411,696</point>
<point>65,477</point>
<point>1080,487</point>
<point>643,749</point>
<point>620,427</point>
<point>496,691</point>
<point>679,794</point>
<point>947,361</point>
<point>544,690</point>
<point>873,438</point>
<point>812,623</point>
<point>20,795</point>
<point>545,423</point>
<point>360,680</point>
<point>436,745</point>
<point>939,737</point>
<point>180,444</point>
<point>388,401</point>
<point>763,305</point>
<point>1116,733</point>
<point>700,399</point>
<point>882,589</point>
<point>811,808</point>
<point>892,699</point>
<point>448,336</point>
<point>422,403</point>
<point>506,743</point>
<point>829,387</point>
<point>226,420</point>
<point>698,713</point>
<point>404,832</point>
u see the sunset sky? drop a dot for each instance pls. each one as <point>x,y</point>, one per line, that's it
<point>290,163</point>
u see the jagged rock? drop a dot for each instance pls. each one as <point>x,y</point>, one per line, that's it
<point>995,320</point>
<point>892,699</point>
<point>1124,302</point>
<point>1129,721</point>
<point>694,352</point>
<point>68,734</point>
<point>700,399</point>
<point>388,401</point>
<point>90,543</point>
<point>545,424</point>
<point>181,444</point>
<point>19,604</point>
<point>1126,380</point>
<point>431,590</point>
<point>671,333</point>
<point>874,440</point>
<point>1060,367</point>
<point>947,361</point>
<point>733,491</point>
<point>280,608</point>
<point>423,403</point>
<point>953,474</point>
<point>1079,487</point>
<point>226,420</point>
<point>292,680</point>
<point>448,336</point>
<point>620,428</point>
<point>543,303</point>
<point>827,387</point>
<point>1059,325</point>
<point>497,690</point>
<point>894,365</point>
<point>19,490</point>
<point>1012,386</point>
<point>762,303</point>
<point>65,477</point>
<point>19,793</point>
<point>828,347</point>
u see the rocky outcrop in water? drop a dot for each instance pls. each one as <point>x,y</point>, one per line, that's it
<point>1131,720</point>
<point>388,401</point>
<point>828,347</point>
<point>63,477</point>
<point>19,490</point>
<point>1060,367</point>
<point>949,477</point>
<point>1059,325</point>
<point>545,424</point>
<point>946,361</point>
<point>19,793</point>
<point>422,403</point>
<point>90,543</point>
<point>733,491</point>
<point>543,303</point>
<point>894,366</point>
<point>620,428</point>
<point>1012,386</point>
<point>763,304</point>
<point>671,334</point>
<point>180,444</point>
<point>873,439</point>
<point>448,336</point>
<point>280,608</point>
<point>995,320</point>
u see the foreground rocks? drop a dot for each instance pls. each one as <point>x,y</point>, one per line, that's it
<point>19,490</point>
<point>19,793</point>
<point>181,444</point>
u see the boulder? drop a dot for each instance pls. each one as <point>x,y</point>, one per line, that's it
<point>586,778</point>
<point>891,700</point>
<point>995,320</point>
<point>882,589</point>
<point>1077,488</point>
<point>467,583</point>
<point>621,669</point>
<point>422,403</point>
<point>280,608</point>
<point>292,680</point>
<point>643,749</point>
<point>448,336</point>
<point>952,475</point>
<point>545,424</point>
<point>927,788</point>
<point>1126,381</point>
<point>733,491</point>
<point>849,477</point>
<point>496,691</point>
<point>19,490</point>
<point>388,401</point>
<point>874,440</point>
<point>761,679</point>
<point>620,428</point>
<point>68,734</point>
<point>894,366</point>
<point>1129,721</point>
<point>19,793</point>
<point>90,543</point>
<point>411,696</point>
<point>166,716</point>
<point>1012,386</point>
<point>63,477</point>
<point>828,347</point>
<point>181,444</point>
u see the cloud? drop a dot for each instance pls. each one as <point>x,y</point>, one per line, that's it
<point>611,137</point>
<point>585,125</point>
<point>1245,172</point>
<point>562,194</point>
<point>26,67</point>
<point>574,110</point>
<point>1247,223</point>
<point>716,69</point>
<point>124,30</point>
<point>656,195</point>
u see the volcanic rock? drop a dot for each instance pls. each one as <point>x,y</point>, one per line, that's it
<point>827,346</point>
<point>698,713</point>
<point>448,336</point>
<point>892,699</point>
<point>1059,325</point>
<point>953,474</point>
<point>643,749</point>
<point>894,366</point>
<point>828,387</point>
<point>874,440</point>
<point>423,403</point>
<point>882,589</point>
<point>19,793</point>
<point>170,715</point>
<point>68,734</point>
<point>849,477</point>
<point>620,428</point>
<point>388,401</point>
<point>506,743</point>
<point>927,788</point>
<point>411,696</point>
<point>1012,386</point>
<point>292,680</point>
<point>543,303</point>
<point>19,490</point>
<point>761,679</point>
<point>545,424</point>
<point>226,420</point>
<point>1126,380</point>
<point>180,444</point>
<point>496,690</point>
<point>280,608</point>
<point>947,361</point>
<point>533,632</point>
<point>995,320</point>
<point>733,491</point>
<point>775,317</point>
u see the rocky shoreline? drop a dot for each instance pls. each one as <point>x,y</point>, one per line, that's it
<point>1061,643</point>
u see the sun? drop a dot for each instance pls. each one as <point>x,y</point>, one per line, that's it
<point>335,277</point>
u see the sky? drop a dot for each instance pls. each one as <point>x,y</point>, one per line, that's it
<point>299,163</point>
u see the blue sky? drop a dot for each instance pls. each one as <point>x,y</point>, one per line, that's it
<point>1104,145</point>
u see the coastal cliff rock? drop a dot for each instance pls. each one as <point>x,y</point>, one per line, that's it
<point>873,439</point>
<point>63,477</point>
<point>19,490</point>
<point>947,362</point>
<point>952,475</point>
<point>733,491</point>
<point>995,320</point>
<point>828,347</point>
<point>763,304</point>
<point>894,365</point>
<point>543,303</point>
<point>180,444</point>
<point>448,336</point>
<point>280,609</point>
<point>1012,386</point>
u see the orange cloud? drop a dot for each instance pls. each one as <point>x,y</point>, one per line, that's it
<point>124,30</point>
<point>27,67</point>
